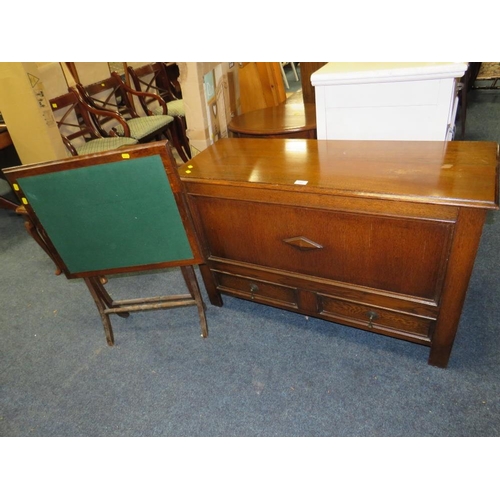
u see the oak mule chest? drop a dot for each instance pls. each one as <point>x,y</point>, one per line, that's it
<point>377,235</point>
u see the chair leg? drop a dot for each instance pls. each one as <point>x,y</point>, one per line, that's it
<point>183,139</point>
<point>173,135</point>
<point>463,111</point>
<point>463,103</point>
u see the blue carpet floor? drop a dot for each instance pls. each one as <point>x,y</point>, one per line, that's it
<point>261,372</point>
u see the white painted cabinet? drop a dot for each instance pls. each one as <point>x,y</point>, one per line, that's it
<point>387,101</point>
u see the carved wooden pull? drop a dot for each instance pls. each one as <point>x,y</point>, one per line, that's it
<point>303,243</point>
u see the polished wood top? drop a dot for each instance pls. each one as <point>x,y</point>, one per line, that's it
<point>294,116</point>
<point>449,173</point>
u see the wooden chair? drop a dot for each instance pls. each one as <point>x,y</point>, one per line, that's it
<point>73,117</point>
<point>112,94</point>
<point>153,78</point>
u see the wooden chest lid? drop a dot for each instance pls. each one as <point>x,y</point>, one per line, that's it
<point>450,173</point>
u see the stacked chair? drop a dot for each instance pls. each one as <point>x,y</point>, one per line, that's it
<point>77,129</point>
<point>115,96</point>
<point>153,79</point>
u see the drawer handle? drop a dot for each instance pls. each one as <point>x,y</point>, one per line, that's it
<point>372,315</point>
<point>303,243</point>
<point>253,288</point>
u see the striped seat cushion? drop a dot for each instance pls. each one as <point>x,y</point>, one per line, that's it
<point>174,108</point>
<point>145,125</point>
<point>104,144</point>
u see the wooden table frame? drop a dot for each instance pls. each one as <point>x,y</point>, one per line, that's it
<point>37,216</point>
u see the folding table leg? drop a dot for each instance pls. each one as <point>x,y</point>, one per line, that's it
<point>96,290</point>
<point>194,289</point>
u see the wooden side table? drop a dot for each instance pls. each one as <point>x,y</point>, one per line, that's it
<point>291,119</point>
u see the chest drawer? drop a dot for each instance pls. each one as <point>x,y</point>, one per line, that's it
<point>255,289</point>
<point>376,319</point>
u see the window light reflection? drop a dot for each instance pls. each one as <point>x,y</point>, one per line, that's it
<point>296,146</point>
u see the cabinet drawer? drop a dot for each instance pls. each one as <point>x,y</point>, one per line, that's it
<point>401,95</point>
<point>261,291</point>
<point>376,319</point>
